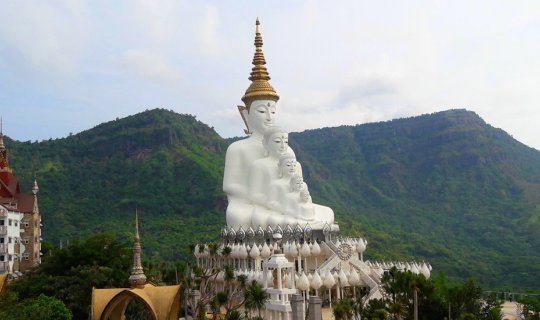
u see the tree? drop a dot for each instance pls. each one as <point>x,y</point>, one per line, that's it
<point>343,309</point>
<point>233,315</point>
<point>203,279</point>
<point>434,299</point>
<point>375,310</point>
<point>530,306</point>
<point>42,307</point>
<point>69,274</point>
<point>46,308</point>
<point>255,297</point>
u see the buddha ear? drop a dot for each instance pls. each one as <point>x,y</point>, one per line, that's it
<point>244,114</point>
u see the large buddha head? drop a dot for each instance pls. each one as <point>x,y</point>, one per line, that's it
<point>260,116</point>
<point>260,97</point>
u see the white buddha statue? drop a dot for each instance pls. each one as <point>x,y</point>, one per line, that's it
<point>302,209</point>
<point>258,114</point>
<point>265,170</point>
<point>306,209</point>
<point>239,158</point>
<point>263,173</point>
<point>251,169</point>
<point>292,198</point>
<point>280,187</point>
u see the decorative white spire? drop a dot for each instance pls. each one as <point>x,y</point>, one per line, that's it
<point>35,187</point>
<point>137,279</point>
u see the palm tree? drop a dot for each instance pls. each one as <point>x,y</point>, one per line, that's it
<point>343,310</point>
<point>219,300</point>
<point>234,315</point>
<point>226,252</point>
<point>212,249</point>
<point>357,306</point>
<point>255,297</point>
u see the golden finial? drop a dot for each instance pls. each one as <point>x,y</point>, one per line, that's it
<point>260,88</point>
<point>257,26</point>
<point>137,279</point>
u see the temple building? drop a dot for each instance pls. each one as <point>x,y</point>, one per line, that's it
<point>20,221</point>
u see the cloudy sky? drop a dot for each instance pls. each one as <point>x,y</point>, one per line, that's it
<point>66,66</point>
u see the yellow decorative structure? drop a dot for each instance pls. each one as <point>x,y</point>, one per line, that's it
<point>161,302</point>
<point>260,88</point>
<point>3,283</point>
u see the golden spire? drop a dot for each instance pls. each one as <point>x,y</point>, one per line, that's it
<point>260,88</point>
<point>137,279</point>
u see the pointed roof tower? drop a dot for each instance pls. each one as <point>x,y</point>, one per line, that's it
<point>137,279</point>
<point>4,164</point>
<point>35,188</point>
<point>1,135</point>
<point>260,88</point>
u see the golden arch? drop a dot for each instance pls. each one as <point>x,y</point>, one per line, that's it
<point>116,308</point>
<point>163,303</point>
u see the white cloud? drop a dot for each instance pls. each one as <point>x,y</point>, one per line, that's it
<point>158,21</point>
<point>147,65</point>
<point>209,43</point>
<point>332,63</point>
<point>44,37</point>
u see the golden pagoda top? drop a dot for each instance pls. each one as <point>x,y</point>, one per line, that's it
<point>260,88</point>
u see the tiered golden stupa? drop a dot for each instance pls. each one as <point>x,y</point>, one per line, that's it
<point>161,302</point>
<point>260,88</point>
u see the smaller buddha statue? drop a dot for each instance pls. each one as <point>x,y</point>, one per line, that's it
<point>264,171</point>
<point>306,207</point>
<point>292,199</point>
<point>279,188</point>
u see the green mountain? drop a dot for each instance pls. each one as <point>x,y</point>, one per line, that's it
<point>445,187</point>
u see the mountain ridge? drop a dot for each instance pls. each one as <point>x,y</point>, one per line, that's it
<point>446,187</point>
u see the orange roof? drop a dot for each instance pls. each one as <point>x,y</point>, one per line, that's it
<point>12,194</point>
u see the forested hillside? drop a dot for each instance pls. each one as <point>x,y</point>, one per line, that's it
<point>445,187</point>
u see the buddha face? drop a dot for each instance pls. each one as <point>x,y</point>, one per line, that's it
<point>261,115</point>
<point>297,183</point>
<point>277,144</point>
<point>288,167</point>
